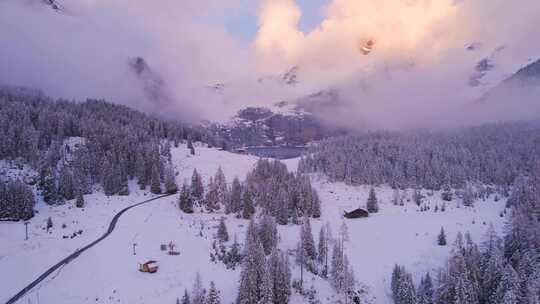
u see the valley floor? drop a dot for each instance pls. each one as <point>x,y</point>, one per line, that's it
<point>108,273</point>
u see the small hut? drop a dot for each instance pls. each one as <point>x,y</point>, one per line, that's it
<point>149,267</point>
<point>357,213</point>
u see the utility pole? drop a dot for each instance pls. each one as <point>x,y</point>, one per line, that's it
<point>302,270</point>
<point>26,230</point>
<point>134,245</point>
<point>326,258</point>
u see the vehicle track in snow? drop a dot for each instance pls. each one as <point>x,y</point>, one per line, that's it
<point>78,252</point>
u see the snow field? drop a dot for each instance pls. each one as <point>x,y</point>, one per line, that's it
<point>108,272</point>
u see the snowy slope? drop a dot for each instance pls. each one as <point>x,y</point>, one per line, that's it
<point>108,273</point>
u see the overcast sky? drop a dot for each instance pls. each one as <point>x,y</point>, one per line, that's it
<point>420,59</point>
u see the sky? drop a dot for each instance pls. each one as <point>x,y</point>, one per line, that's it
<point>209,58</point>
<point>242,23</point>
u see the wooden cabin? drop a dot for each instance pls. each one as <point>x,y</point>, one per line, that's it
<point>357,213</point>
<point>149,267</point>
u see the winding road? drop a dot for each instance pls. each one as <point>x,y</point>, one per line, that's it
<point>78,252</point>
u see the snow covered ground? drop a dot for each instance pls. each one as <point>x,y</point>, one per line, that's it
<point>108,272</point>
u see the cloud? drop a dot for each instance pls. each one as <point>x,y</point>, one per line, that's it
<point>398,29</point>
<point>84,50</point>
<point>418,71</point>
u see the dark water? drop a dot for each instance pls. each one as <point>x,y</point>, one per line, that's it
<point>276,152</point>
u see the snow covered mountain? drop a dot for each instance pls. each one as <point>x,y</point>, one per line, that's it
<point>523,83</point>
<point>54,4</point>
<point>284,124</point>
<point>528,75</point>
<point>291,122</point>
<point>151,82</point>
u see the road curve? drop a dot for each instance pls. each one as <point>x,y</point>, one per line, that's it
<point>78,252</point>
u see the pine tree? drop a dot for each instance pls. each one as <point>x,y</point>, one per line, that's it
<point>446,195</point>
<point>468,196</point>
<point>66,186</point>
<point>294,216</point>
<point>26,204</point>
<point>170,180</point>
<point>254,279</point>
<point>341,273</point>
<point>306,238</point>
<point>402,286</point>
<point>406,292</point>
<point>519,191</point>
<point>268,234</point>
<point>323,250</point>
<point>425,290</point>
<point>349,280</point>
<point>528,272</point>
<point>458,243</point>
<point>211,200</point>
<point>395,197</point>
<point>337,267</point>
<point>510,297</point>
<point>247,209</point>
<point>282,200</point>
<point>315,205</point>
<point>123,187</point>
<point>266,292</point>
<point>234,256</point>
<point>509,284</point>
<point>109,180</point>
<point>191,147</point>
<point>185,298</point>
<point>197,188</point>
<point>16,201</point>
<point>418,198</point>
<point>372,205</point>
<point>397,274</point>
<point>221,185</point>
<point>465,292</point>
<point>48,186</point>
<point>80,172</point>
<point>441,238</point>
<point>491,272</point>
<point>79,203</point>
<point>49,223</point>
<point>185,201</point>
<point>140,171</point>
<point>235,198</point>
<point>280,276</point>
<point>155,182</point>
<point>222,233</point>
<point>213,295</point>
<point>198,292</point>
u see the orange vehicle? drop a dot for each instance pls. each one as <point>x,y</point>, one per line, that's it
<point>149,267</point>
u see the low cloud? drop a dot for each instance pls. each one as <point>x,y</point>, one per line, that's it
<point>84,49</point>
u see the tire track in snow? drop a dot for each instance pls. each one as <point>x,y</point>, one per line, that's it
<point>78,252</point>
